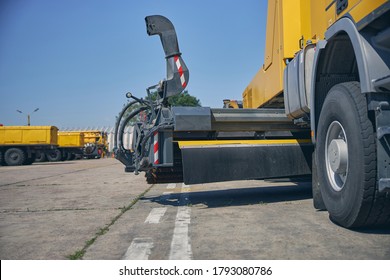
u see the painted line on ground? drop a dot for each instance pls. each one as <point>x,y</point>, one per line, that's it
<point>181,243</point>
<point>155,215</point>
<point>139,249</point>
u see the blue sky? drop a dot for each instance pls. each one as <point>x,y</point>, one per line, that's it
<point>75,60</point>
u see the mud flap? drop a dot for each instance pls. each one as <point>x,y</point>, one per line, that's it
<point>205,164</point>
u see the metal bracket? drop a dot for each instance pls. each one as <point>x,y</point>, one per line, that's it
<point>383,149</point>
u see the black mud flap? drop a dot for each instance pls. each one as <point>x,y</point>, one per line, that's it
<point>229,163</point>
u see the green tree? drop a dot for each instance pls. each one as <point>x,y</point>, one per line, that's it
<point>184,99</point>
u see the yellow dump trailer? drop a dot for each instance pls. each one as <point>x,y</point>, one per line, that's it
<point>70,145</point>
<point>20,144</point>
<point>70,139</point>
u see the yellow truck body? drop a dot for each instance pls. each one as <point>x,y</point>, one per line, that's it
<point>70,139</point>
<point>95,143</point>
<point>327,64</point>
<point>28,135</point>
<point>92,136</point>
<point>19,145</point>
<point>70,144</point>
<point>290,25</point>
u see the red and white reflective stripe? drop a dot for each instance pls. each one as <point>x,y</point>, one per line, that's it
<point>181,73</point>
<point>155,147</point>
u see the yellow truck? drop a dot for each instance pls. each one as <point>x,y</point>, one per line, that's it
<point>319,106</point>
<point>70,145</point>
<point>20,144</point>
<point>96,143</point>
<point>233,104</point>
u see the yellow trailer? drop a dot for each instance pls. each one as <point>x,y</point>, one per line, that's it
<point>19,144</point>
<point>70,139</point>
<point>70,145</point>
<point>95,143</point>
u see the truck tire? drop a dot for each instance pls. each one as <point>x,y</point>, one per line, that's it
<point>54,155</point>
<point>40,156</point>
<point>346,157</point>
<point>89,149</point>
<point>14,156</point>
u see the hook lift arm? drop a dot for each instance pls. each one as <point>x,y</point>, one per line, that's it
<point>175,83</point>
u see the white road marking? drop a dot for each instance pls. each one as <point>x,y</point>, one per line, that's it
<point>155,215</point>
<point>139,249</point>
<point>181,243</point>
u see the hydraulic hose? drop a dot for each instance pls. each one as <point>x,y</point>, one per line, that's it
<point>119,121</point>
<point>124,123</point>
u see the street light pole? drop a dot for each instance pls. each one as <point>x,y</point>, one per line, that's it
<point>28,115</point>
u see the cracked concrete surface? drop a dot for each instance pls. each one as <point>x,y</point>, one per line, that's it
<point>49,210</point>
<point>92,209</point>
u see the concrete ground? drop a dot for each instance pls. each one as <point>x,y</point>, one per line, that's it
<point>92,209</point>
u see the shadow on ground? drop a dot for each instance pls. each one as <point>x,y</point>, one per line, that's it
<point>238,196</point>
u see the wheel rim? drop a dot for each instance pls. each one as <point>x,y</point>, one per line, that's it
<point>15,156</point>
<point>336,156</point>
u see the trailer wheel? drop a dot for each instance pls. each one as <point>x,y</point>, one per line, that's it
<point>14,156</point>
<point>40,156</point>
<point>54,155</point>
<point>346,156</point>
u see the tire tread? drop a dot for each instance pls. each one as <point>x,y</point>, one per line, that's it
<point>378,212</point>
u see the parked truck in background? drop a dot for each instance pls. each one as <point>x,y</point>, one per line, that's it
<point>233,104</point>
<point>319,105</point>
<point>96,143</point>
<point>70,146</point>
<point>20,144</point>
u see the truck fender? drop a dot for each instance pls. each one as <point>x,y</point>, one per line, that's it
<point>319,48</point>
<point>370,65</point>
